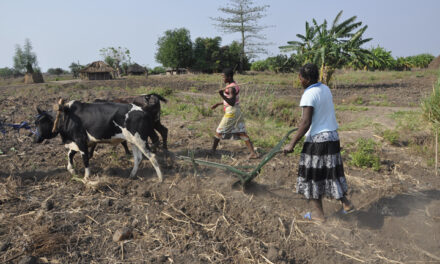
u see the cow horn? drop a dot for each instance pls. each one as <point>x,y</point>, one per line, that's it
<point>58,108</point>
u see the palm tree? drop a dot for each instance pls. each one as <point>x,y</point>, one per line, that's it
<point>331,48</point>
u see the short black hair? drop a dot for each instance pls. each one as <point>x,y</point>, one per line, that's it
<point>228,72</point>
<point>310,72</point>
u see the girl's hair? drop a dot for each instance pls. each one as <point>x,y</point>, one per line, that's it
<point>310,72</point>
<point>228,72</point>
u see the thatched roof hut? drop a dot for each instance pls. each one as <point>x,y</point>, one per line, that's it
<point>136,69</point>
<point>97,70</point>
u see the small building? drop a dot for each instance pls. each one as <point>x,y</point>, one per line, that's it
<point>136,69</point>
<point>97,70</point>
<point>174,71</point>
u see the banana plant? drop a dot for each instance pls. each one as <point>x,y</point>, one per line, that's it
<point>331,48</point>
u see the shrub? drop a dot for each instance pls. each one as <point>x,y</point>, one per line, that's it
<point>259,66</point>
<point>365,155</point>
<point>392,136</point>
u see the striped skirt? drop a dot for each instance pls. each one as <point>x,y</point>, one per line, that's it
<point>320,171</point>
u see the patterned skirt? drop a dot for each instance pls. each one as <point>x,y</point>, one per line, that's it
<point>320,171</point>
<point>232,123</point>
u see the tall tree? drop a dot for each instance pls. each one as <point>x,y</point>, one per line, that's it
<point>206,54</point>
<point>175,49</point>
<point>331,48</point>
<point>116,56</point>
<point>25,60</point>
<point>243,17</point>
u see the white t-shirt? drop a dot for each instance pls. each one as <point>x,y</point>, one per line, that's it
<point>319,96</point>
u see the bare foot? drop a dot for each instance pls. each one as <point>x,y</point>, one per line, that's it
<point>253,156</point>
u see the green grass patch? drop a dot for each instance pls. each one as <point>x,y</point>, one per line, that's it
<point>391,136</point>
<point>365,155</point>
<point>352,108</point>
<point>409,121</point>
<point>357,124</point>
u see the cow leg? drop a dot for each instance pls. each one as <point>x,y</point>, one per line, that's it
<point>137,157</point>
<point>154,140</point>
<point>92,150</point>
<point>83,149</point>
<point>141,144</point>
<point>124,144</point>
<point>163,131</point>
<point>70,156</point>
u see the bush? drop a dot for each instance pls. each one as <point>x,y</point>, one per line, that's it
<point>365,155</point>
<point>392,136</point>
<point>6,72</point>
<point>157,70</point>
<point>56,71</point>
<point>259,66</point>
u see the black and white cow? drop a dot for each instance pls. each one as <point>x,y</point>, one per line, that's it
<point>150,103</point>
<point>83,124</point>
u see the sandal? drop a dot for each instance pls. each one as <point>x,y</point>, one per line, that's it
<point>308,216</point>
<point>351,210</point>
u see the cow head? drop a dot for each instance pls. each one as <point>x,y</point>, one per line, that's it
<point>44,124</point>
<point>152,104</point>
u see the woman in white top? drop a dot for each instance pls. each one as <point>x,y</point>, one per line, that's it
<point>320,169</point>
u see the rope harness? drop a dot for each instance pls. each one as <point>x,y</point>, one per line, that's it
<point>17,127</point>
<point>244,177</point>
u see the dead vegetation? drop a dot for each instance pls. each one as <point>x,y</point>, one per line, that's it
<point>196,216</point>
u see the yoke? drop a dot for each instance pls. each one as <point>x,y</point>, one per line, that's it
<point>244,177</point>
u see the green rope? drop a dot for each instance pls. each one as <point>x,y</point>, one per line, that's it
<point>244,177</point>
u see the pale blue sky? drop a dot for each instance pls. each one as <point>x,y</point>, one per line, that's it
<point>66,31</point>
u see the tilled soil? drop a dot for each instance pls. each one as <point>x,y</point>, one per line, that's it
<point>198,214</point>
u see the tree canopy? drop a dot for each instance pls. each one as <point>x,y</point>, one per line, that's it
<point>242,17</point>
<point>331,47</point>
<point>25,60</point>
<point>175,49</point>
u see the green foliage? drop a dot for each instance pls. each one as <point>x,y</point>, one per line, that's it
<point>242,17</point>
<point>331,48</point>
<point>25,60</point>
<point>431,105</point>
<point>421,60</point>
<point>207,55</point>
<point>7,72</point>
<point>392,136</point>
<point>365,155</point>
<point>163,91</point>
<point>115,56</point>
<point>408,121</point>
<point>260,65</point>
<point>56,71</point>
<point>231,56</point>
<point>75,68</point>
<point>157,70</point>
<point>175,49</point>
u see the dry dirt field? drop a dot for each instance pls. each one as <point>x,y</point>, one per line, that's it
<point>198,215</point>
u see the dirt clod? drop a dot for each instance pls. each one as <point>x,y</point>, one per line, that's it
<point>122,234</point>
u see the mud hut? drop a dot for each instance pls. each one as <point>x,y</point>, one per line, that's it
<point>97,70</point>
<point>175,71</point>
<point>35,77</point>
<point>136,69</point>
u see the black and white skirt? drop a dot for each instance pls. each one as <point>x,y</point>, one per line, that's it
<point>320,171</point>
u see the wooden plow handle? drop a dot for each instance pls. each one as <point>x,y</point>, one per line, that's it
<point>245,177</point>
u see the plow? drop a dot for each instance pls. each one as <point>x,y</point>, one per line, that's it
<point>245,177</point>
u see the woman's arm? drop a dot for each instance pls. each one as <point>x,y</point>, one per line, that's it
<point>230,101</point>
<point>304,126</point>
